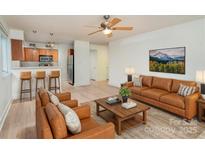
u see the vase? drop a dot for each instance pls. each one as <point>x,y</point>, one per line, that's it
<point>124,99</point>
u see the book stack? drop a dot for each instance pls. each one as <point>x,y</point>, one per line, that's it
<point>129,105</point>
<point>113,100</point>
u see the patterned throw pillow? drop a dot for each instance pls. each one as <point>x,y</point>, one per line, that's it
<point>137,81</point>
<point>186,90</point>
<point>54,99</point>
<point>71,118</point>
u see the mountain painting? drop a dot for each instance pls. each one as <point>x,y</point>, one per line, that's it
<point>170,60</point>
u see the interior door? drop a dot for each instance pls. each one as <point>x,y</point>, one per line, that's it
<point>93,64</point>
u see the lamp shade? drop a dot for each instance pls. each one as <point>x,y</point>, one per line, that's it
<point>129,70</point>
<point>200,76</point>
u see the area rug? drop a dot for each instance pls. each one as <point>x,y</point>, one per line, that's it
<point>160,125</point>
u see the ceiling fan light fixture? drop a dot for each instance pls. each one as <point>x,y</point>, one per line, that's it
<point>107,31</point>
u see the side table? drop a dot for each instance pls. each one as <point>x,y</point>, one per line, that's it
<point>201,109</point>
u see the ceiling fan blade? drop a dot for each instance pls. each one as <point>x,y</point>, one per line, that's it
<point>114,21</point>
<point>109,35</point>
<point>92,26</point>
<point>122,28</point>
<point>95,32</point>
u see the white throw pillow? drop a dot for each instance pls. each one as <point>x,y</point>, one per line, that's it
<point>186,90</point>
<point>137,81</point>
<point>54,99</point>
<point>71,118</point>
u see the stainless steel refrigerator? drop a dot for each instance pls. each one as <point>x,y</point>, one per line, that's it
<point>71,66</point>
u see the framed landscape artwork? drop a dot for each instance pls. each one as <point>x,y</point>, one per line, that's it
<point>169,60</point>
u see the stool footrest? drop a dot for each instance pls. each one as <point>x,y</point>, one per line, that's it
<point>26,90</point>
<point>54,87</point>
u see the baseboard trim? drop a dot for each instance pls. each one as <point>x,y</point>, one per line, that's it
<point>5,113</point>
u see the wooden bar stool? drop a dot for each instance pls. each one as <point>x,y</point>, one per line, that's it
<point>56,76</point>
<point>40,75</point>
<point>25,76</point>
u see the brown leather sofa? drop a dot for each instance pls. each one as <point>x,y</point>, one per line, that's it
<point>162,93</point>
<point>50,122</point>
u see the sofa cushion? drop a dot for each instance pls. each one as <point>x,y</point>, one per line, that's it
<point>138,90</point>
<point>176,84</point>
<point>146,80</point>
<point>174,100</point>
<point>88,123</point>
<point>56,121</point>
<point>154,93</point>
<point>71,118</point>
<point>137,81</point>
<point>162,83</point>
<point>45,99</point>
<point>53,98</point>
<point>186,90</point>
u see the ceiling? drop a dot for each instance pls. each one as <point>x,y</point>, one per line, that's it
<point>67,28</point>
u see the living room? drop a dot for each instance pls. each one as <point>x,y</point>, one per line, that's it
<point>102,76</point>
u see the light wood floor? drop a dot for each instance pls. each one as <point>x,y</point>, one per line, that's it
<point>20,122</point>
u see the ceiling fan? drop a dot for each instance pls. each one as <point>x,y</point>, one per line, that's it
<point>108,26</point>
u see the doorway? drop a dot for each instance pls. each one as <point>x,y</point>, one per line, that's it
<point>93,64</point>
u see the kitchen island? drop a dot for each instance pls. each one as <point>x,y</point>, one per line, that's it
<point>16,78</point>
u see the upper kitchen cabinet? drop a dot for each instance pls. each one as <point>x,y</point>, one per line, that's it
<point>54,53</point>
<point>31,54</point>
<point>17,49</point>
<point>43,51</point>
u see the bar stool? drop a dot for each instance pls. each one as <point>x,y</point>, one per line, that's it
<point>25,76</point>
<point>56,76</point>
<point>40,75</point>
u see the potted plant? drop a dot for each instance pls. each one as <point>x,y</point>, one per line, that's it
<point>125,93</point>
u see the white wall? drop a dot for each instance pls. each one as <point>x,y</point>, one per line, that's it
<point>102,61</point>
<point>82,63</point>
<point>134,51</point>
<point>5,90</point>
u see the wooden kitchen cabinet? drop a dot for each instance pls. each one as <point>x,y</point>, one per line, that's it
<point>28,54</point>
<point>36,55</point>
<point>17,50</point>
<point>44,51</point>
<point>32,54</point>
<point>54,53</point>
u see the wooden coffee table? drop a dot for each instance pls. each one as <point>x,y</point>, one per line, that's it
<point>120,114</point>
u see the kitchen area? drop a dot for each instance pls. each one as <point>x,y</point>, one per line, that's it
<point>33,57</point>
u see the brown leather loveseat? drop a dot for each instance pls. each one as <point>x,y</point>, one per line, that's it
<point>50,123</point>
<point>162,93</point>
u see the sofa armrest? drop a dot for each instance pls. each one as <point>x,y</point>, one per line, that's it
<point>71,103</point>
<point>83,112</point>
<point>105,131</point>
<point>191,105</point>
<point>128,84</point>
<point>64,96</point>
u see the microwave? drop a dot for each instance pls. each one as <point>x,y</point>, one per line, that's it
<point>45,58</point>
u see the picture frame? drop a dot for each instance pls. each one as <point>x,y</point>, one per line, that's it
<point>168,60</point>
